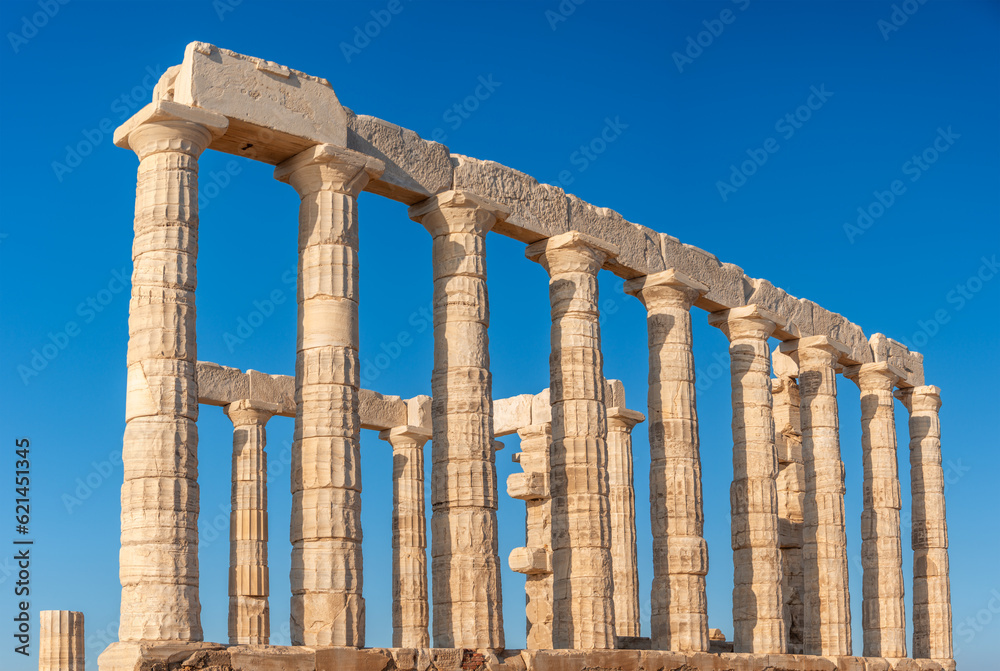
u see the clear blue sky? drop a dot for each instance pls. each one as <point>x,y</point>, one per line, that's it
<point>921,271</point>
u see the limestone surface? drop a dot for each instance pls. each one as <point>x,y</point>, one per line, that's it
<point>909,364</point>
<point>273,113</point>
<point>827,605</point>
<point>931,585</point>
<point>535,558</point>
<point>468,609</point>
<point>160,501</point>
<point>249,610</point>
<point>621,497</point>
<point>757,599</point>
<point>536,210</point>
<point>679,619</point>
<point>583,582</point>
<point>791,496</point>
<point>211,657</point>
<point>61,643</point>
<point>222,385</point>
<point>512,414</point>
<point>327,604</point>
<point>410,609</point>
<point>883,614</point>
<point>579,558</point>
<point>415,169</point>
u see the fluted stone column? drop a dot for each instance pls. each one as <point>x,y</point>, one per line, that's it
<point>468,609</point>
<point>757,598</point>
<point>583,583</point>
<point>679,618</point>
<point>249,611</point>
<point>883,614</point>
<point>410,609</point>
<point>61,641</point>
<point>327,606</point>
<point>791,485</point>
<point>159,540</point>
<point>827,603</point>
<point>931,584</point>
<point>621,497</point>
<point>535,558</point>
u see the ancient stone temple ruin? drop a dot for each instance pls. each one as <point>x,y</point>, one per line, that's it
<point>790,588</point>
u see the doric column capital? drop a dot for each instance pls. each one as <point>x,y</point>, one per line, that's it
<point>748,321</point>
<point>327,167</point>
<point>814,352</point>
<point>409,436</point>
<point>168,126</point>
<point>668,288</point>
<point>874,376</point>
<point>623,419</point>
<point>926,398</point>
<point>571,252</point>
<point>246,412</point>
<point>458,211</point>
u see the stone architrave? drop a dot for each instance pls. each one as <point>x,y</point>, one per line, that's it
<point>757,599</point>
<point>826,603</point>
<point>883,613</point>
<point>160,500</point>
<point>679,619</point>
<point>931,585</point>
<point>61,641</point>
<point>621,497</point>
<point>468,608</point>
<point>410,609</point>
<point>583,582</point>
<point>327,606</point>
<point>249,610</point>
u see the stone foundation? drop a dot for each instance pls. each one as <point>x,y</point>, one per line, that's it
<point>213,657</point>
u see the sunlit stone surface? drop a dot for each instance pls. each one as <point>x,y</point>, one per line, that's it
<point>582,594</point>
